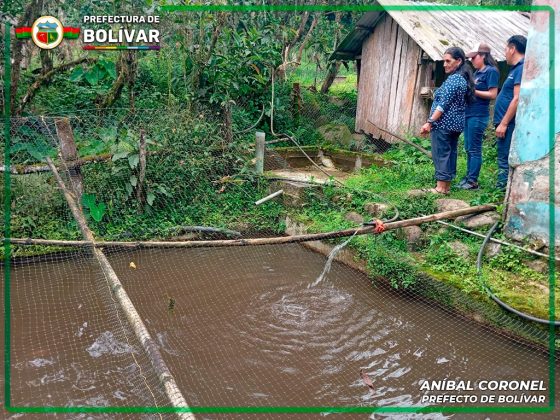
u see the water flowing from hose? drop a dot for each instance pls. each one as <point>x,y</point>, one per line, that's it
<point>330,259</point>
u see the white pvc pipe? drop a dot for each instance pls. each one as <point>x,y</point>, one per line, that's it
<point>269,197</point>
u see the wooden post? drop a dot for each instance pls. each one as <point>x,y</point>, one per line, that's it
<point>151,348</point>
<point>260,138</point>
<point>358,163</point>
<point>69,154</point>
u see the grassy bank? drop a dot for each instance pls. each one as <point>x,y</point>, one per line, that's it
<point>442,253</point>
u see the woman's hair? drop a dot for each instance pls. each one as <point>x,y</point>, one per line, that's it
<point>488,59</point>
<point>464,70</point>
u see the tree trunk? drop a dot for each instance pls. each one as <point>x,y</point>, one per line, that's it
<point>126,70</point>
<point>332,71</point>
<point>307,37</point>
<point>333,67</point>
<point>299,34</point>
<point>286,61</point>
<point>131,77</point>
<point>31,12</point>
<point>140,196</point>
<point>27,55</point>
<point>46,61</point>
<point>202,57</point>
<point>46,78</point>
<point>69,154</point>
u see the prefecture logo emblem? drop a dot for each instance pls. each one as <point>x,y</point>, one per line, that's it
<point>47,32</point>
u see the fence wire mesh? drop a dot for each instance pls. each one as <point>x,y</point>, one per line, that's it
<point>212,311</point>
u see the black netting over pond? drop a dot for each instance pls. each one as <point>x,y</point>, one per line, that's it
<point>243,326</point>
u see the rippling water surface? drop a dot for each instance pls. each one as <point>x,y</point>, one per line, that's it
<point>243,327</point>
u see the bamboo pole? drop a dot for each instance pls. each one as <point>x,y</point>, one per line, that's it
<point>33,169</point>
<point>49,242</point>
<point>262,241</point>
<point>24,170</point>
<point>140,330</point>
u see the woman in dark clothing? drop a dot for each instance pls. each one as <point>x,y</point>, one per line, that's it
<point>486,79</point>
<point>447,117</point>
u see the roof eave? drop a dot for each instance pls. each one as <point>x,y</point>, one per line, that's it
<point>351,45</point>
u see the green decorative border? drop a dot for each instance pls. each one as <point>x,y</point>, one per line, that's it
<point>288,409</point>
<point>7,210</point>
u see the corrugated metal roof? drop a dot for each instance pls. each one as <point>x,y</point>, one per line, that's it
<point>437,29</point>
<point>351,45</point>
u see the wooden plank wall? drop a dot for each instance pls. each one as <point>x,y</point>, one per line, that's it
<point>390,82</point>
<point>421,107</point>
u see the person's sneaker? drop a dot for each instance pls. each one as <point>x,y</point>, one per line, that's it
<point>462,182</point>
<point>470,186</point>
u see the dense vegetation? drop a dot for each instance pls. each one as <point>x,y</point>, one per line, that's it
<point>191,102</point>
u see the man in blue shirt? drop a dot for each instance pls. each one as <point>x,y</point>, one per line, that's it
<point>506,105</point>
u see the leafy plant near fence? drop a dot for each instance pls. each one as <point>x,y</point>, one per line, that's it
<point>94,209</point>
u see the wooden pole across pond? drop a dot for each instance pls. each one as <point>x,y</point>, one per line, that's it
<point>164,375</point>
<point>261,241</point>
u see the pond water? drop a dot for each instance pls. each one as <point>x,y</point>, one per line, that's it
<point>241,327</point>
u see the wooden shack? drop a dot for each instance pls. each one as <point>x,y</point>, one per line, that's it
<point>399,57</point>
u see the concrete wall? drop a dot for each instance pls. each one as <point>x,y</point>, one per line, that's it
<point>535,150</point>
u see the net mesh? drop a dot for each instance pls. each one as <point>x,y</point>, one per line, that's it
<point>213,311</point>
<point>239,326</point>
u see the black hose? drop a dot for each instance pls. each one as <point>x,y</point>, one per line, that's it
<point>493,296</point>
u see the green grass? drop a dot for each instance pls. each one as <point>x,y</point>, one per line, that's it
<point>345,88</point>
<point>387,254</point>
<point>307,75</point>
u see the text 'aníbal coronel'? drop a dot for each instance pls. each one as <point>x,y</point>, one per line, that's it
<point>483,385</point>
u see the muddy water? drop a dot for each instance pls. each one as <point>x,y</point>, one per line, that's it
<point>241,327</point>
<point>68,345</point>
